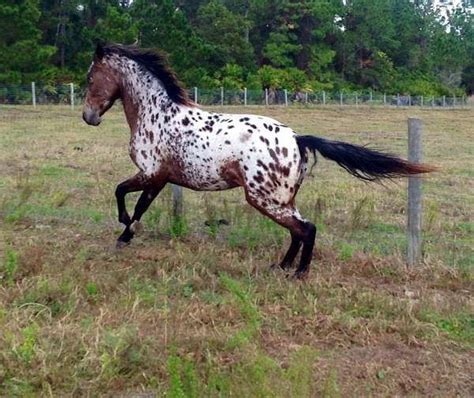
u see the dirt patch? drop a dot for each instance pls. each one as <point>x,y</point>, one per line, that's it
<point>395,369</point>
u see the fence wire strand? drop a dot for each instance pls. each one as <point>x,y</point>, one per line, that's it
<point>67,94</point>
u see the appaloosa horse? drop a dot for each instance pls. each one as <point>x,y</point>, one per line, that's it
<point>174,141</point>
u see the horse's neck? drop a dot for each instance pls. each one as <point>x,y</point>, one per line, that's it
<point>143,98</point>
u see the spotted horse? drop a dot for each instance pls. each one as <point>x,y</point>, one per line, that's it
<point>174,141</point>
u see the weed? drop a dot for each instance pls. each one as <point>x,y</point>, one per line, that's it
<point>458,326</point>
<point>54,295</point>
<point>212,221</point>
<point>299,374</point>
<point>346,251</point>
<point>176,389</point>
<point>92,290</point>
<point>431,215</point>
<point>83,255</point>
<point>16,214</point>
<point>10,265</point>
<point>331,387</point>
<point>96,216</point>
<point>59,198</point>
<point>121,352</point>
<point>467,227</point>
<point>247,309</point>
<point>363,212</point>
<point>27,349</point>
<point>178,227</point>
<point>15,387</point>
<point>152,218</point>
<point>184,382</point>
<point>254,232</point>
<point>188,290</point>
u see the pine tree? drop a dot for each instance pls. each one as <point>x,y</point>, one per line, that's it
<point>22,56</point>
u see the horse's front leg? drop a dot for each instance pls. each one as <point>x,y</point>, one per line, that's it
<point>133,184</point>
<point>150,192</point>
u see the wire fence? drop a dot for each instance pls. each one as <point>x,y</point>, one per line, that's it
<point>70,94</point>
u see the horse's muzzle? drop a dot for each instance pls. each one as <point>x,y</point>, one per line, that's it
<point>91,117</point>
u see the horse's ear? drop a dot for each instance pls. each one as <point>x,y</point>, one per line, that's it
<point>99,51</point>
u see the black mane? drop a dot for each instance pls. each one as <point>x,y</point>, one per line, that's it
<point>156,63</point>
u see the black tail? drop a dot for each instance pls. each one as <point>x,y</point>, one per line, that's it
<point>361,162</point>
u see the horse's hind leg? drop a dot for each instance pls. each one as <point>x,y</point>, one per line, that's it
<point>308,238</point>
<point>302,231</point>
<point>290,255</point>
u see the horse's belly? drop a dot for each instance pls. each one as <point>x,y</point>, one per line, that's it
<point>201,178</point>
<point>207,185</point>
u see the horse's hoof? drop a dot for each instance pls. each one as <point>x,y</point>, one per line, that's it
<point>121,244</point>
<point>280,267</point>
<point>136,227</point>
<point>300,275</point>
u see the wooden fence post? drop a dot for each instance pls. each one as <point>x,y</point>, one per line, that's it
<point>72,95</point>
<point>324,97</point>
<point>286,97</point>
<point>266,96</point>
<point>415,128</point>
<point>33,94</point>
<point>196,95</point>
<point>177,201</point>
<point>245,96</point>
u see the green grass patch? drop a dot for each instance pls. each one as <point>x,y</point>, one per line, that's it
<point>458,326</point>
<point>256,231</point>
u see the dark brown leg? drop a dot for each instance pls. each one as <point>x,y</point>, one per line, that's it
<point>290,255</point>
<point>308,237</point>
<point>144,201</point>
<point>301,231</point>
<point>133,184</point>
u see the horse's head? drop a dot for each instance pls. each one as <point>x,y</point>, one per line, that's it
<point>103,88</point>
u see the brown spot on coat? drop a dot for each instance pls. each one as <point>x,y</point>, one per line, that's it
<point>232,174</point>
<point>245,137</point>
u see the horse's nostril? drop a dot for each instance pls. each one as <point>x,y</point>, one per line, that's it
<point>91,117</point>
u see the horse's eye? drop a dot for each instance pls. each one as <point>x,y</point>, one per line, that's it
<point>89,80</point>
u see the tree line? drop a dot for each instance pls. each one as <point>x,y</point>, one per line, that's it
<point>404,46</point>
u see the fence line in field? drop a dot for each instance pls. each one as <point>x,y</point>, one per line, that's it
<point>70,94</point>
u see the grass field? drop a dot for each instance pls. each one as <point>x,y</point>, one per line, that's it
<point>190,310</point>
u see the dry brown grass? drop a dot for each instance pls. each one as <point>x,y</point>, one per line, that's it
<point>201,314</point>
